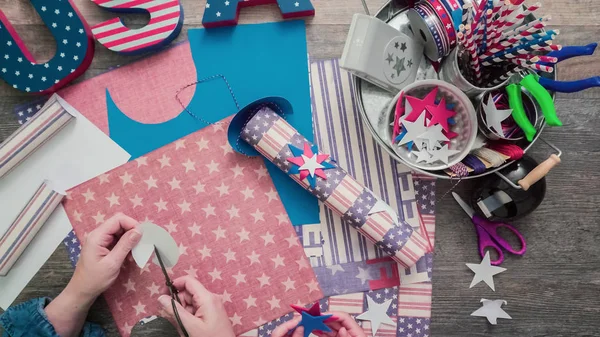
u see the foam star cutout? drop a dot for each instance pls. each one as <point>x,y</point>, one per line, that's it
<point>440,114</point>
<point>417,106</point>
<point>492,310</point>
<point>309,163</point>
<point>413,130</point>
<point>495,117</point>
<point>442,154</point>
<point>315,311</point>
<point>377,314</point>
<point>314,323</point>
<point>484,272</point>
<point>433,135</point>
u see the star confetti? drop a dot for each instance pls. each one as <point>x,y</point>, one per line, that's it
<point>377,314</point>
<point>309,163</point>
<point>415,106</point>
<point>440,114</point>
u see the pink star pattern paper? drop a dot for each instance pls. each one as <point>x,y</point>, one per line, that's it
<point>223,211</point>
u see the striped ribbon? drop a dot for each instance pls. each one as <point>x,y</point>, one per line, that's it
<point>31,136</point>
<point>24,228</point>
<point>340,192</point>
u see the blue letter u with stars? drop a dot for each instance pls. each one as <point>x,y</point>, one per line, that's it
<point>74,50</point>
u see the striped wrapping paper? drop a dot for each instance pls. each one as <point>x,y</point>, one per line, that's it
<point>31,135</point>
<point>272,136</point>
<point>31,219</point>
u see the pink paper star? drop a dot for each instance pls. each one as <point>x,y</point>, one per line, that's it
<point>440,114</point>
<point>418,105</point>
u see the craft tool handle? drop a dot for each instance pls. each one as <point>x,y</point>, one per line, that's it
<point>570,86</point>
<point>515,101</point>
<point>542,96</point>
<point>573,51</point>
<point>539,172</point>
<point>486,243</point>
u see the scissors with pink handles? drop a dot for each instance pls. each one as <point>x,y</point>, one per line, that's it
<point>489,238</point>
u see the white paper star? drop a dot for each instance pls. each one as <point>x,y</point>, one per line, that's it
<point>311,164</point>
<point>422,156</point>
<point>484,272</point>
<point>492,310</point>
<point>413,129</point>
<point>377,314</point>
<point>381,206</point>
<point>433,135</point>
<point>495,117</point>
<point>442,154</point>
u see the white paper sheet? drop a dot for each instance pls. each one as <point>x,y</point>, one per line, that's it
<point>76,154</point>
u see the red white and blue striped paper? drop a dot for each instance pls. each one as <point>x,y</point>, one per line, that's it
<point>31,219</point>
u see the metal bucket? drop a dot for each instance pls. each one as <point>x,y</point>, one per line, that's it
<point>373,101</point>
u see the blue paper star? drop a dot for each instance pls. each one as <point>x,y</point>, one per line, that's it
<point>312,323</point>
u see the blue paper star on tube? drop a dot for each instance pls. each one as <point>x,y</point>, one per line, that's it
<point>308,163</point>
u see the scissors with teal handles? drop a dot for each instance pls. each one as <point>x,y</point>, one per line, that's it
<point>489,238</point>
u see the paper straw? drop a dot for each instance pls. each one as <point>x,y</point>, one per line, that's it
<point>32,135</point>
<point>532,65</point>
<point>339,191</point>
<point>525,48</point>
<point>539,24</point>
<point>479,11</point>
<point>507,75</point>
<point>550,47</point>
<point>27,224</point>
<point>515,41</point>
<point>488,32</point>
<point>467,13</point>
<point>539,58</point>
<point>519,18</point>
<point>472,49</point>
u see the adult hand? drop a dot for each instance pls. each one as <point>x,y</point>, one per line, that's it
<point>344,326</point>
<point>103,254</point>
<point>201,312</point>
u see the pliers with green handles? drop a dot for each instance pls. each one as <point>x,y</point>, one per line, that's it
<point>542,96</point>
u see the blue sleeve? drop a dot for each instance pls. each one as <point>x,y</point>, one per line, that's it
<point>29,319</point>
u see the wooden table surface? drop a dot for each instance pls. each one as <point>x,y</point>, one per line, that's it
<point>553,291</point>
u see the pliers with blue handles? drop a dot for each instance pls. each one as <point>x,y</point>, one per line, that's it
<point>571,86</point>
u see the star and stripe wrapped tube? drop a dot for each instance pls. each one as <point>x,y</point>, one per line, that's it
<point>31,136</point>
<point>27,224</point>
<point>270,135</point>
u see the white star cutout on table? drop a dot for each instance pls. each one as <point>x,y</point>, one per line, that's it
<point>484,272</point>
<point>495,117</point>
<point>377,314</point>
<point>492,310</point>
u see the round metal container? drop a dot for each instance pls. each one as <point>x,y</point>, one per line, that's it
<point>373,102</point>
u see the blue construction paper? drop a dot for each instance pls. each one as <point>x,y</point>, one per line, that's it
<point>257,61</point>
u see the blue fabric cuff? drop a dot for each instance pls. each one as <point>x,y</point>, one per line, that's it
<point>29,319</point>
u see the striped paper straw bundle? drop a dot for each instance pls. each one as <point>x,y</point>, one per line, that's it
<point>498,43</point>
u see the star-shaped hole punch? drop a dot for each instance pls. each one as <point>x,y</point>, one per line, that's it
<point>309,164</point>
<point>315,311</point>
<point>313,323</point>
